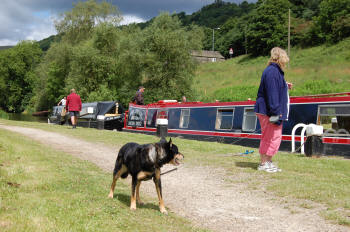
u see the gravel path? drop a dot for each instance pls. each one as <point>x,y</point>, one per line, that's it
<point>200,194</point>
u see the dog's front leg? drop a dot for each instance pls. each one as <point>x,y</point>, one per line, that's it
<point>158,184</point>
<point>133,193</point>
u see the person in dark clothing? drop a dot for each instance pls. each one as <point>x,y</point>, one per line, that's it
<point>139,96</point>
<point>74,107</point>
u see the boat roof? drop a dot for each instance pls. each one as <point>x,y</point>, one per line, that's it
<point>318,98</point>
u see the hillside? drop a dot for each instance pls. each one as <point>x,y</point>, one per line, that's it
<point>45,44</point>
<point>5,47</point>
<point>322,69</point>
<point>216,14</point>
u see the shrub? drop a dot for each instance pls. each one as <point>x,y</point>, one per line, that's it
<point>236,93</point>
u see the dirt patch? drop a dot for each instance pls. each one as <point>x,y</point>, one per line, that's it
<point>201,193</point>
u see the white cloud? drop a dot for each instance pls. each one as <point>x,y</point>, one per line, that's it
<point>41,30</point>
<point>127,19</point>
<point>7,42</point>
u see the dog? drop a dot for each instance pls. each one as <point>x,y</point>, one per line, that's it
<point>143,162</point>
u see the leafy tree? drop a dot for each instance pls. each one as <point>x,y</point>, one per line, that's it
<point>52,73</point>
<point>17,75</point>
<point>232,35</point>
<point>78,24</point>
<point>168,65</point>
<point>268,26</point>
<point>113,59</point>
<point>334,20</point>
<point>305,9</point>
<point>85,57</point>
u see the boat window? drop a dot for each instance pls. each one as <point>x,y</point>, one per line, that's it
<point>151,117</point>
<point>162,113</point>
<point>184,118</point>
<point>136,117</point>
<point>335,119</point>
<point>224,119</point>
<point>249,120</point>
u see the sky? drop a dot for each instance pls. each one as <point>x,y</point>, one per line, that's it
<point>34,19</point>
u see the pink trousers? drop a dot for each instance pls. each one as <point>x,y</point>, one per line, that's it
<point>271,136</point>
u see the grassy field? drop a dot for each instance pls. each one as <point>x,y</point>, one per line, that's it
<point>325,180</point>
<point>323,69</point>
<point>46,190</point>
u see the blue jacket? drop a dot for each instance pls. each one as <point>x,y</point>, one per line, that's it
<point>273,96</point>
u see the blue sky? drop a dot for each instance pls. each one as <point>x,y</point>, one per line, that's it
<point>33,19</point>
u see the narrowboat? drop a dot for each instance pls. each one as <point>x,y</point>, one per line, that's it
<point>101,115</point>
<point>236,122</point>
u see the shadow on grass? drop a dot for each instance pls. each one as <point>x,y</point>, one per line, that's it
<point>251,165</point>
<point>125,199</point>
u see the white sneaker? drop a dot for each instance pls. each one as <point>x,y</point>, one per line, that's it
<point>268,167</point>
<point>273,168</point>
<point>263,167</point>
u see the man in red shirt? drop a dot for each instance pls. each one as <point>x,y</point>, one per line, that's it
<point>74,107</point>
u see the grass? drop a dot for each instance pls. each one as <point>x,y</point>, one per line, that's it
<point>323,69</point>
<point>46,190</point>
<point>325,180</point>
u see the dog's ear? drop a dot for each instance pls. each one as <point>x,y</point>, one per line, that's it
<point>170,143</point>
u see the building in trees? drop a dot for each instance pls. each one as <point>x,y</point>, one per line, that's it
<point>204,56</point>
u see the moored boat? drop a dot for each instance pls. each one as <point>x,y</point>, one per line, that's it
<point>236,122</point>
<point>101,115</point>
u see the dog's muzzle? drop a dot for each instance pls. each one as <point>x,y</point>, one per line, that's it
<point>178,158</point>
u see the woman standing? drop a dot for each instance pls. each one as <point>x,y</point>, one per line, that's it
<point>272,108</point>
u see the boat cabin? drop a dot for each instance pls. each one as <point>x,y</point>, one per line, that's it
<point>102,115</point>
<point>236,122</point>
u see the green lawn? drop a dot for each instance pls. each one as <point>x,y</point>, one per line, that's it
<point>325,180</point>
<point>46,190</point>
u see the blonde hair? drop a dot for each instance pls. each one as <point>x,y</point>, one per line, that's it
<point>72,90</point>
<point>279,56</point>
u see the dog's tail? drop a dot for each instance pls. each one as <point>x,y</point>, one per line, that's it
<point>118,166</point>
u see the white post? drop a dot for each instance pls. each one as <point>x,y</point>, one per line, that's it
<point>293,134</point>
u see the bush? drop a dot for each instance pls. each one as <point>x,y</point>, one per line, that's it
<point>3,114</point>
<point>236,93</point>
<point>312,87</point>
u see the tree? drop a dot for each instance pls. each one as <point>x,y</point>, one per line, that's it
<point>268,26</point>
<point>305,9</point>
<point>78,24</point>
<point>334,20</point>
<point>17,75</point>
<point>52,73</point>
<point>232,35</point>
<point>168,65</point>
<point>84,59</point>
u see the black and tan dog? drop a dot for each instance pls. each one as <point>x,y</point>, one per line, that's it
<point>143,162</point>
